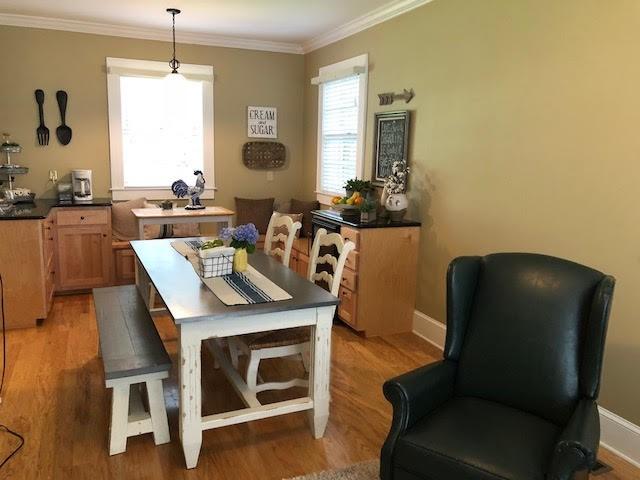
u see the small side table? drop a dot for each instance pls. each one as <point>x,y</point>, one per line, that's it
<point>157,216</point>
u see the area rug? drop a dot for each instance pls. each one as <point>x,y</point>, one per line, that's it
<point>361,471</point>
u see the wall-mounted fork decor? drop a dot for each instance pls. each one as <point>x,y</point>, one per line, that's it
<point>42,132</point>
<point>389,98</point>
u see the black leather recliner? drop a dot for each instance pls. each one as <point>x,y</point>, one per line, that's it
<point>515,396</point>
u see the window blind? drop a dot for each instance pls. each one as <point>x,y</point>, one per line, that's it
<point>339,133</point>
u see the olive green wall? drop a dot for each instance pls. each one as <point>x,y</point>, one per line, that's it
<point>525,138</point>
<point>75,62</point>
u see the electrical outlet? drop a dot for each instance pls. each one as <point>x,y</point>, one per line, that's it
<point>269,176</point>
<point>53,176</point>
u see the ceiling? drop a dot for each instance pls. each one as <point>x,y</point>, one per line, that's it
<point>296,22</point>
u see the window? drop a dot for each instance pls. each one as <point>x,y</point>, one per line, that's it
<point>341,124</point>
<point>160,129</point>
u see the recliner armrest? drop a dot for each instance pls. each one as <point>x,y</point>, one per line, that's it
<point>577,446</point>
<point>412,396</point>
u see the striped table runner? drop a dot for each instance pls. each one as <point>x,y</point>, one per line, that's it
<point>244,288</point>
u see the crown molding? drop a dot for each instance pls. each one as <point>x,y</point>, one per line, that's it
<point>96,28</point>
<point>375,17</point>
<point>382,14</point>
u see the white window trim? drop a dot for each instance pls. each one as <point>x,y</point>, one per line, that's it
<point>122,66</point>
<point>353,66</point>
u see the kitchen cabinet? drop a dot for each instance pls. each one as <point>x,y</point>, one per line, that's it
<point>378,287</point>
<point>83,247</point>
<point>124,263</point>
<point>27,266</point>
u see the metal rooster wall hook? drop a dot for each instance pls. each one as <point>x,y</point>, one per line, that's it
<point>389,98</point>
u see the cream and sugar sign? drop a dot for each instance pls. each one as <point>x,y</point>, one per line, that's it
<point>262,122</point>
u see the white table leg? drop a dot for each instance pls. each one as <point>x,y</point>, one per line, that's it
<point>190,394</point>
<point>143,283</point>
<point>141,228</point>
<point>319,374</point>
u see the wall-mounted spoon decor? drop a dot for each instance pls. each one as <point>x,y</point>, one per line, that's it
<point>42,132</point>
<point>63,132</point>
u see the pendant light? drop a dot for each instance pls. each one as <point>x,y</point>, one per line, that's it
<point>174,64</point>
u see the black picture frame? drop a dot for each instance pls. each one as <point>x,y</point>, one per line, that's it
<point>391,143</point>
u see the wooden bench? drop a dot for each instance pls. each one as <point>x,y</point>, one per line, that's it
<point>134,360</point>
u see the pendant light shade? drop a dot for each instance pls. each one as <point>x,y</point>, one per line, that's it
<point>174,64</point>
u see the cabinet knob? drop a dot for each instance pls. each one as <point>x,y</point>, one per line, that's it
<point>81,218</point>
<point>104,235</point>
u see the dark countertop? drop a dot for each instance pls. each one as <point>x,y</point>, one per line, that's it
<point>354,221</point>
<point>41,207</point>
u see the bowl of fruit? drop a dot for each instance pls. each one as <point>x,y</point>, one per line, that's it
<point>347,203</point>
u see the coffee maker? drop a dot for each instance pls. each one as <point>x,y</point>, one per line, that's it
<point>82,187</point>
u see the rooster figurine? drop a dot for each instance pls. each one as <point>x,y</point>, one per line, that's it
<point>180,189</point>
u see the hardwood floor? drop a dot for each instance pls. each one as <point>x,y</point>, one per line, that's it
<point>55,396</point>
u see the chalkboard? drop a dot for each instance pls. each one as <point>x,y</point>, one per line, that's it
<point>392,141</point>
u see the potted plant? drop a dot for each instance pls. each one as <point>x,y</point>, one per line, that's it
<point>363,187</point>
<point>243,238</point>
<point>395,188</point>
<point>368,211</point>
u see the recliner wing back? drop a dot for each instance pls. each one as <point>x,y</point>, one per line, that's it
<point>527,330</point>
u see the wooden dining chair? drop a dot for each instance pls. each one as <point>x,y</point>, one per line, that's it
<point>330,251</point>
<point>281,233</point>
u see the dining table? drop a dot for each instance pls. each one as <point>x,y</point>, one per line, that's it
<point>159,216</point>
<point>203,319</point>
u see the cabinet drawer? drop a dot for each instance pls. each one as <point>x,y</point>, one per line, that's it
<point>351,234</point>
<point>352,261</point>
<point>48,242</point>
<point>48,287</point>
<point>349,278</point>
<point>347,310</point>
<point>83,216</point>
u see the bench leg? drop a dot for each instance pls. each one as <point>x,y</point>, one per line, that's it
<point>158,412</point>
<point>119,419</point>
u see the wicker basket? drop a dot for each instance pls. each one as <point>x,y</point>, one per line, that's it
<point>215,262</point>
<point>263,155</point>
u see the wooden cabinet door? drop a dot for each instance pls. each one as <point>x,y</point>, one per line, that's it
<point>303,265</point>
<point>84,257</point>
<point>124,266</point>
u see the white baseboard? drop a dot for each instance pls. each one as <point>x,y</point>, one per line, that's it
<point>429,329</point>
<point>620,436</point>
<point>617,434</point>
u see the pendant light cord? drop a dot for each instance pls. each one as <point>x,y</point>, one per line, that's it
<point>173,15</point>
